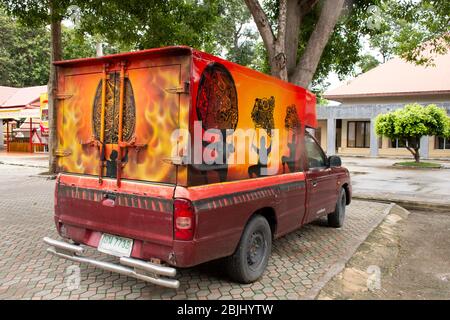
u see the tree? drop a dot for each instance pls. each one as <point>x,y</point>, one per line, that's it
<point>367,62</point>
<point>24,53</point>
<point>36,13</point>
<point>412,30</point>
<point>306,39</point>
<point>411,123</point>
<point>234,37</point>
<point>137,24</point>
<point>282,47</point>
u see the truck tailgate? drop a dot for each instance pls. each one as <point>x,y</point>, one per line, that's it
<point>135,210</point>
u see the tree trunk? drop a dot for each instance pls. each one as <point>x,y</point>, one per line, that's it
<point>307,66</point>
<point>296,10</point>
<point>275,46</point>
<point>415,152</point>
<point>282,48</point>
<point>293,18</point>
<point>416,155</point>
<point>56,54</point>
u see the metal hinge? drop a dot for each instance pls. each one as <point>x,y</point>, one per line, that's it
<point>62,153</point>
<point>183,89</point>
<point>63,96</point>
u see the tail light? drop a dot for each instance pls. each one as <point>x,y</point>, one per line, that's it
<point>184,219</point>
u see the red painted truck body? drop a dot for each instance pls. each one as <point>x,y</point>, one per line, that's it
<point>136,198</point>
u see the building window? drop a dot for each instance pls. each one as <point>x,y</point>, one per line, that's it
<point>358,134</point>
<point>441,143</point>
<point>399,143</point>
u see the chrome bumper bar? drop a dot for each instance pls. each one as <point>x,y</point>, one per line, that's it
<point>141,270</point>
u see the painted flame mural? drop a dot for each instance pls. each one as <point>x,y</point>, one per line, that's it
<point>165,90</point>
<point>157,113</point>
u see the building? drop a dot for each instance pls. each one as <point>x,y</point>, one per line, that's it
<point>20,116</point>
<point>348,128</point>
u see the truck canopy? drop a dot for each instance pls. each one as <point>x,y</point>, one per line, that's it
<point>116,114</point>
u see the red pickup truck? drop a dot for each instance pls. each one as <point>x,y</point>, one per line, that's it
<point>172,157</point>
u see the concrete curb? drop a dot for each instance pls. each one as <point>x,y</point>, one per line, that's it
<point>22,165</point>
<point>405,203</point>
<point>337,267</point>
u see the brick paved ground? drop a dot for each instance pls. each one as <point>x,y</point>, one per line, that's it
<point>299,263</point>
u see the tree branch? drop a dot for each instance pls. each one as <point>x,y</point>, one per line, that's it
<point>278,61</point>
<point>281,35</point>
<point>262,22</point>
<point>306,6</point>
<point>296,10</point>
<point>307,66</point>
<point>293,21</point>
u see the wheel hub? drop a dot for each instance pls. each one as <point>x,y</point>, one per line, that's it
<point>256,249</point>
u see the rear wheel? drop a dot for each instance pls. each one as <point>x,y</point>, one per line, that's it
<point>250,260</point>
<point>336,218</point>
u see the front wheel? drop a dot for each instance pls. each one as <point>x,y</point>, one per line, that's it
<point>336,218</point>
<point>250,260</point>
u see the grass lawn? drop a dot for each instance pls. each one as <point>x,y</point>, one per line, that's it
<point>418,164</point>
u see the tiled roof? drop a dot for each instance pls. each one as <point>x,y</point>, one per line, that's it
<point>397,77</point>
<point>19,97</point>
<point>6,93</point>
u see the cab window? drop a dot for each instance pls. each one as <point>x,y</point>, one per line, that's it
<point>316,157</point>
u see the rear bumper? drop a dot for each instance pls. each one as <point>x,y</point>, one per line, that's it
<point>179,254</point>
<point>139,269</point>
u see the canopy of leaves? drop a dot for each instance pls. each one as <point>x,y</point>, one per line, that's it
<point>366,63</point>
<point>414,30</point>
<point>413,121</point>
<point>36,12</point>
<point>393,27</point>
<point>233,34</point>
<point>25,51</point>
<point>138,24</point>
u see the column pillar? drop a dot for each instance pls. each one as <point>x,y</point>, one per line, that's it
<point>373,139</point>
<point>331,137</point>
<point>424,147</point>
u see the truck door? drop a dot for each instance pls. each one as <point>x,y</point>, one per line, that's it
<point>150,113</point>
<point>320,181</point>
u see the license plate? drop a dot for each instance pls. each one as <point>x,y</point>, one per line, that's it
<point>114,245</point>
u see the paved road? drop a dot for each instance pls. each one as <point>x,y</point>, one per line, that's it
<point>301,262</point>
<point>372,178</point>
<point>376,177</point>
<point>38,160</point>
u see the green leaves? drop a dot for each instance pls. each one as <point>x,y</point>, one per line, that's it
<point>24,53</point>
<point>413,30</point>
<point>137,24</point>
<point>413,121</point>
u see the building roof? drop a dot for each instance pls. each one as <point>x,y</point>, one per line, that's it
<point>5,93</point>
<point>398,77</point>
<point>20,97</point>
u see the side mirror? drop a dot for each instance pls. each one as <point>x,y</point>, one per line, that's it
<point>334,161</point>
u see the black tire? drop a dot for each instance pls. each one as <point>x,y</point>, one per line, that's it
<point>336,218</point>
<point>249,261</point>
